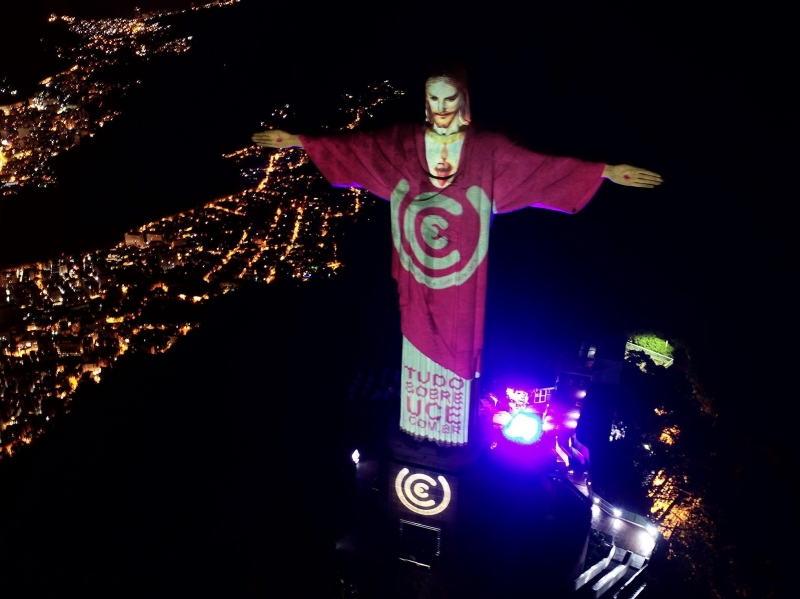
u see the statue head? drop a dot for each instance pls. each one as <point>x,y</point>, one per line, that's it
<point>446,97</point>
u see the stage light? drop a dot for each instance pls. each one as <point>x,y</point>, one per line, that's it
<point>617,512</point>
<point>355,456</point>
<point>524,428</point>
<point>501,418</point>
<point>647,542</point>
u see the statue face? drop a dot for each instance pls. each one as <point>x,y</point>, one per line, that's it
<point>444,101</point>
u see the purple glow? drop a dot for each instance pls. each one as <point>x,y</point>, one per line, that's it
<point>501,418</point>
<point>517,399</point>
<point>524,428</point>
<point>562,454</point>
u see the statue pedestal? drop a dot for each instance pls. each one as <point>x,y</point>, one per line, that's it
<point>457,516</point>
<point>405,448</point>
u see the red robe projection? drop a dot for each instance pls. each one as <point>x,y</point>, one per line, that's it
<point>441,239</point>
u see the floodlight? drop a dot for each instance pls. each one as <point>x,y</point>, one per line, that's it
<point>524,428</point>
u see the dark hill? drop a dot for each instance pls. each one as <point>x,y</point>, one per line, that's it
<point>212,468</point>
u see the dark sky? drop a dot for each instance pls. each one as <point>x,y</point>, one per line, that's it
<point>101,9</point>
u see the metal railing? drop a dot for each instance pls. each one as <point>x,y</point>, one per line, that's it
<point>571,486</point>
<point>622,513</point>
<point>594,570</point>
<point>657,357</point>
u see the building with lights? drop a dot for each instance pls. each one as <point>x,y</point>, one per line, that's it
<point>135,238</point>
<point>519,494</point>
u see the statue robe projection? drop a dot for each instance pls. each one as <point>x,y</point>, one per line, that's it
<point>441,239</point>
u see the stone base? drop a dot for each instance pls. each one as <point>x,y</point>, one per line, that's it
<point>405,448</point>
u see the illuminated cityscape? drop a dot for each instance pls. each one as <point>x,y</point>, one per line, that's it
<point>65,320</point>
<point>75,103</point>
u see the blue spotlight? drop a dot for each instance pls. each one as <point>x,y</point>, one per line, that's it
<point>524,427</point>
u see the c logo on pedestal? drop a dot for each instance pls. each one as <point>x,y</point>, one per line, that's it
<point>413,493</point>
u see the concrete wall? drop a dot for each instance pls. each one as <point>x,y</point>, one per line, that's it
<point>610,579</point>
<point>594,570</point>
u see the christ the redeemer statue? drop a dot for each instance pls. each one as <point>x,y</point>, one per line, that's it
<point>444,181</point>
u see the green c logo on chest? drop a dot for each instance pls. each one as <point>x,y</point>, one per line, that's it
<point>420,234</point>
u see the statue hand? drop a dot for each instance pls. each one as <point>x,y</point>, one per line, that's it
<point>633,176</point>
<point>276,139</point>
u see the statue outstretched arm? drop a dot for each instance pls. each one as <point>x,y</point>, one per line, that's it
<point>526,178</point>
<point>277,139</point>
<point>633,176</point>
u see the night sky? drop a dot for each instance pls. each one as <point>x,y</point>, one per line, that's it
<point>700,96</point>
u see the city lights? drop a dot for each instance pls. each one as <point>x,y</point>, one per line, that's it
<point>70,106</point>
<point>286,224</point>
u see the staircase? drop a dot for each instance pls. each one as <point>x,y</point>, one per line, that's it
<point>611,576</point>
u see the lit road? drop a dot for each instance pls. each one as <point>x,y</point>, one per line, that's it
<point>627,535</point>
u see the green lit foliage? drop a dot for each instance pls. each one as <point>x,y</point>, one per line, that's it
<point>653,343</point>
<point>641,360</point>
